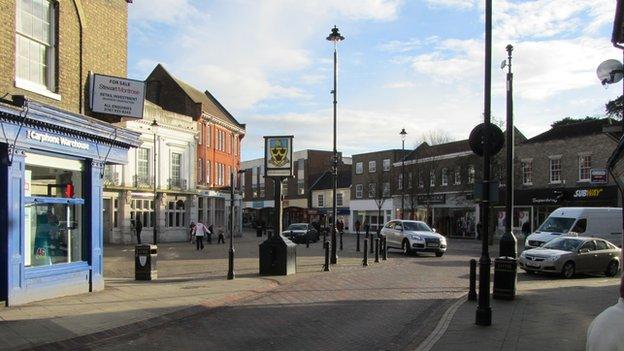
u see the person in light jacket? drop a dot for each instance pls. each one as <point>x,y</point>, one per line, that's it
<point>200,232</point>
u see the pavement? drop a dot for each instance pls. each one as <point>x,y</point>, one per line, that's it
<point>404,303</point>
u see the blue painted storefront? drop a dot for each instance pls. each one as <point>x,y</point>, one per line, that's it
<point>46,133</point>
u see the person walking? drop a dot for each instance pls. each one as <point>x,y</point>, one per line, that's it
<point>191,231</point>
<point>138,227</point>
<point>358,226</point>
<point>200,232</point>
<point>209,232</point>
<point>221,239</point>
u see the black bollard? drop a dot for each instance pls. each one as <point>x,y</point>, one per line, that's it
<point>340,241</point>
<point>370,237</point>
<point>308,240</point>
<point>357,245</point>
<point>324,234</point>
<point>376,250</point>
<point>384,249</point>
<point>365,261</point>
<point>472,293</point>
<point>326,247</point>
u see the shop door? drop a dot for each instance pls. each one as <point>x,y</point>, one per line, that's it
<point>107,220</point>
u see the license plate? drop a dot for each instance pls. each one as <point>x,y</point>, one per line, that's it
<point>533,265</point>
<point>433,245</point>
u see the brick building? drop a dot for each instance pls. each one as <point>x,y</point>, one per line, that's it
<point>52,150</point>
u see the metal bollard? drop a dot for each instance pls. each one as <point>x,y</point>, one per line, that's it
<point>326,247</point>
<point>384,249</point>
<point>376,250</point>
<point>472,293</point>
<point>357,245</point>
<point>340,241</point>
<point>372,249</point>
<point>308,240</point>
<point>324,234</point>
<point>365,261</point>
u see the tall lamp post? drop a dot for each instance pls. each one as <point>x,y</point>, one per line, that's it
<point>334,37</point>
<point>154,126</point>
<point>403,136</point>
<point>484,311</point>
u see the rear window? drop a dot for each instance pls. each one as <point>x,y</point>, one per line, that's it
<point>556,225</point>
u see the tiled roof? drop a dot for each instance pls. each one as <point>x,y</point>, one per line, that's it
<point>572,130</point>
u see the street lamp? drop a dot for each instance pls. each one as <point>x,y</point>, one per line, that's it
<point>230,274</point>
<point>403,136</point>
<point>154,126</point>
<point>334,37</point>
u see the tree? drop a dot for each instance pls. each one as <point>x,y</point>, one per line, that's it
<point>614,108</point>
<point>379,190</point>
<point>571,120</point>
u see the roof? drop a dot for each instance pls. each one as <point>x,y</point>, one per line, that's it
<point>424,150</point>
<point>325,180</point>
<point>572,130</point>
<point>209,103</point>
<point>618,24</point>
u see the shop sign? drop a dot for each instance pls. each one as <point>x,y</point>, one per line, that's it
<point>598,176</point>
<point>431,199</point>
<point>587,193</point>
<point>258,204</point>
<point>54,139</point>
<point>278,156</point>
<point>117,96</point>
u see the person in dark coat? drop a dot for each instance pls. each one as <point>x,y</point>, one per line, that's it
<point>138,227</point>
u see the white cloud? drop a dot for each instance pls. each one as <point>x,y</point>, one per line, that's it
<point>456,4</point>
<point>400,46</point>
<point>142,12</point>
<point>399,85</point>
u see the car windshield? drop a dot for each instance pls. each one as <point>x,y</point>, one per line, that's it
<point>565,244</point>
<point>556,225</point>
<point>297,227</point>
<point>416,226</point>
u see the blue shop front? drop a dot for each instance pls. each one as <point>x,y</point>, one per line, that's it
<point>51,170</point>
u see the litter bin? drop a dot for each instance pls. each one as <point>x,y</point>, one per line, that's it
<point>145,257</point>
<point>278,256</point>
<point>505,278</point>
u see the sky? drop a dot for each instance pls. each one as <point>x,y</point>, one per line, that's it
<point>413,64</point>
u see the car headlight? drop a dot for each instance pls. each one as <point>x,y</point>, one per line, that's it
<point>551,258</point>
<point>416,237</point>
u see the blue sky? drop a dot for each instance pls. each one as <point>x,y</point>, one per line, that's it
<point>414,64</point>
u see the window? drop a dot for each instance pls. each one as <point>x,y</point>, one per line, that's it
<point>319,199</point>
<point>421,181</point>
<point>176,214</point>
<point>386,189</point>
<point>590,245</point>
<point>208,170</point>
<point>555,169</point>
<point>400,182</point>
<point>584,168</point>
<point>527,172</point>
<point>219,212</point>
<point>432,177</point>
<point>601,245</point>
<point>457,176</point>
<point>115,213</point>
<point>200,170</point>
<point>359,191</point>
<point>301,176</point>
<point>142,164</point>
<point>471,174</point>
<point>371,190</point>
<point>35,46</point>
<point>444,176</point>
<point>580,226</point>
<point>372,166</point>
<point>53,210</point>
<point>142,209</point>
<point>176,168</point>
<point>359,168</point>
<point>201,133</point>
<point>386,165</point>
<point>339,199</point>
<point>200,209</point>
<point>409,180</point>
<point>208,135</point>
<point>285,187</point>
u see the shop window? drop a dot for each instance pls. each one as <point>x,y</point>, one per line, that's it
<point>54,202</point>
<point>35,59</point>
<point>319,200</point>
<point>142,209</point>
<point>339,199</point>
<point>176,214</point>
<point>359,191</point>
<point>584,168</point>
<point>359,168</point>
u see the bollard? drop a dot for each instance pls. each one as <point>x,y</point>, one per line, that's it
<point>307,239</point>
<point>365,261</point>
<point>324,234</point>
<point>370,237</point>
<point>384,249</point>
<point>357,245</point>
<point>326,247</point>
<point>341,241</point>
<point>376,250</point>
<point>472,293</point>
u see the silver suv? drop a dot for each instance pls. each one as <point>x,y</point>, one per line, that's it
<point>413,236</point>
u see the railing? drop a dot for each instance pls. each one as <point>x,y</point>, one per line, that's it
<point>176,183</point>
<point>142,181</point>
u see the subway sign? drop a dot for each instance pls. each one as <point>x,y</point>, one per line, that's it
<point>587,193</point>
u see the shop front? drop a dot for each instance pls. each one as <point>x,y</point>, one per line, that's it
<point>451,214</point>
<point>51,170</point>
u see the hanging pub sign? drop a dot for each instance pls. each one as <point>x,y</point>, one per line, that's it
<point>278,156</point>
<point>117,96</point>
<point>598,176</point>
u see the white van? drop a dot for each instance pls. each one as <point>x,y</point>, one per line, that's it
<point>599,222</point>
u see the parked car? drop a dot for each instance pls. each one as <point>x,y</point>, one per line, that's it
<point>299,232</point>
<point>597,222</point>
<point>571,255</point>
<point>413,236</point>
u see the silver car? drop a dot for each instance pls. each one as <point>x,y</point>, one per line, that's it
<point>570,255</point>
<point>413,236</point>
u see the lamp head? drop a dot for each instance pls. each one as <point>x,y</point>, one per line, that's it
<point>403,134</point>
<point>335,36</point>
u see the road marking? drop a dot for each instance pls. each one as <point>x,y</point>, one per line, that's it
<point>443,324</point>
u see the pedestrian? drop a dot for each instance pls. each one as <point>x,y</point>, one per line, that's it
<point>209,232</point>
<point>340,226</point>
<point>200,232</point>
<point>479,230</point>
<point>192,229</point>
<point>221,237</point>
<point>138,227</point>
<point>358,225</point>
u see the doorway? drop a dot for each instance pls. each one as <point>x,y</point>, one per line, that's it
<point>107,221</point>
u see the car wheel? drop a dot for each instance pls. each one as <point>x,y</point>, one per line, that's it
<point>612,269</point>
<point>439,254</point>
<point>568,270</point>
<point>406,247</point>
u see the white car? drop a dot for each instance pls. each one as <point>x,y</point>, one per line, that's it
<point>413,236</point>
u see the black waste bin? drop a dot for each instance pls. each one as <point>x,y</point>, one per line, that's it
<point>278,256</point>
<point>505,278</point>
<point>145,257</point>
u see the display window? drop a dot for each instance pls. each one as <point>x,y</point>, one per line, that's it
<point>53,210</point>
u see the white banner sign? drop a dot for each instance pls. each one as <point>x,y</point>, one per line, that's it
<point>117,96</point>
